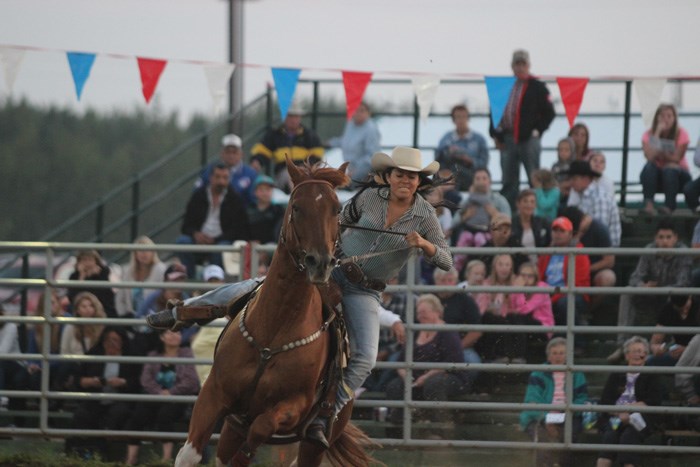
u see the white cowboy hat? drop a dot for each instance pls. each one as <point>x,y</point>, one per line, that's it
<point>403,158</point>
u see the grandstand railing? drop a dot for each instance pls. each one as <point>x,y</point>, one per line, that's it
<point>571,330</point>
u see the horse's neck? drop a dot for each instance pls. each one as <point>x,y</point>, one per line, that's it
<point>286,296</point>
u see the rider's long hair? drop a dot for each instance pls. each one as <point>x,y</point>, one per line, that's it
<point>380,182</point>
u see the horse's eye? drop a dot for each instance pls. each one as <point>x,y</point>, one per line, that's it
<point>295,208</point>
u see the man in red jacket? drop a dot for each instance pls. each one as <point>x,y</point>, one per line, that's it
<point>553,270</point>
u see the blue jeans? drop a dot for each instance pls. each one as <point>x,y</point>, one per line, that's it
<point>512,155</point>
<point>471,356</point>
<point>361,312</point>
<point>189,260</point>
<point>667,180</point>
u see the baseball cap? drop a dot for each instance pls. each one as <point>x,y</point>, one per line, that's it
<point>175,272</point>
<point>231,140</point>
<point>263,180</point>
<point>213,272</point>
<point>499,220</point>
<point>521,55</point>
<point>563,223</point>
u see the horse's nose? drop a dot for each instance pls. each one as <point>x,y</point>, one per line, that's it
<point>318,262</point>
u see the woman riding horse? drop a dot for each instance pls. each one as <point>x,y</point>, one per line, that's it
<point>407,222</point>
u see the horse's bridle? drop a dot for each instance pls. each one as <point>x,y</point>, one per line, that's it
<point>299,256</point>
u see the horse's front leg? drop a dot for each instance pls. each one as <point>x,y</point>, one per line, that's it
<point>283,417</point>
<point>207,411</point>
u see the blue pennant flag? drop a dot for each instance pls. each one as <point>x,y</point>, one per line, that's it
<point>498,89</point>
<point>286,83</point>
<point>80,66</point>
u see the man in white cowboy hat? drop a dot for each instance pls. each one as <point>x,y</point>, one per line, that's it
<point>292,139</point>
<point>242,175</point>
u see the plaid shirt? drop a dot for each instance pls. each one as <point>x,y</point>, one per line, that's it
<point>372,205</point>
<point>667,271</point>
<point>598,204</point>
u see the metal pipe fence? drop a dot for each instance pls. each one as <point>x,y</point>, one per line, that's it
<point>570,330</point>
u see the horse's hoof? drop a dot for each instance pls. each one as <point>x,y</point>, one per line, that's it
<point>162,320</point>
<point>316,435</point>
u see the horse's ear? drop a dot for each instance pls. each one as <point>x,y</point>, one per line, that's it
<point>343,168</point>
<point>294,173</point>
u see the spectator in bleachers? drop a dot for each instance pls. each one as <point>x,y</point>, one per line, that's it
<point>470,226</point>
<point>164,379</point>
<point>36,334</point>
<point>430,346</point>
<point>695,243</point>
<point>498,347</point>
<point>531,229</point>
<point>462,150</point>
<point>547,194</point>
<point>531,307</point>
<point>554,271</point>
<point>548,387</point>
<point>78,339</point>
<point>581,136</point>
<point>566,154</point>
<point>204,342</point>
<point>592,199</point>
<point>215,215</point>
<point>502,236</point>
<point>265,217</point>
<point>460,308</point>
<point>666,169</point>
<point>628,427</point>
<point>691,190</point>
<point>474,274</point>
<point>598,163</point>
<point>292,139</point>
<point>144,266</point>
<point>653,271</point>
<point>592,233</point>
<point>106,378</point>
<point>679,311</point>
<point>146,339</point>
<point>688,384</point>
<point>89,266</point>
<point>241,174</point>
<point>527,115</point>
<point>15,374</point>
<point>360,140</point>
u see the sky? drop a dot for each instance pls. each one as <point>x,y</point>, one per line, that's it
<point>392,38</point>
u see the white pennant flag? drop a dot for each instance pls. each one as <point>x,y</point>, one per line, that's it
<point>10,60</point>
<point>218,77</point>
<point>425,87</point>
<point>648,92</point>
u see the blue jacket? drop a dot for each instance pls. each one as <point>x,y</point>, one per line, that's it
<point>540,390</point>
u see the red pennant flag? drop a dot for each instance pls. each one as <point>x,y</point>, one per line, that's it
<point>572,90</point>
<point>150,70</point>
<point>355,84</point>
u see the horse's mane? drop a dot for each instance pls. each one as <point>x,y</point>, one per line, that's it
<point>322,172</point>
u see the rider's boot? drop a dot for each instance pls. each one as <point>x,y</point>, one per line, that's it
<point>163,319</point>
<point>316,432</point>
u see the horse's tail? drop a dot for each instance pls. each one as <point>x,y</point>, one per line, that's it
<point>349,449</point>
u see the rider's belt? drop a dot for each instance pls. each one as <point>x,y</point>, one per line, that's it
<point>354,274</point>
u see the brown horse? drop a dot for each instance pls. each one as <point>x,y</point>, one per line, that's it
<point>281,327</point>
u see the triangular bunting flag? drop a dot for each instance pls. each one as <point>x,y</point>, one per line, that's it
<point>80,66</point>
<point>355,83</point>
<point>218,76</point>
<point>10,59</point>
<point>425,87</point>
<point>648,92</point>
<point>150,70</point>
<point>498,89</point>
<point>286,84</point>
<point>571,90</point>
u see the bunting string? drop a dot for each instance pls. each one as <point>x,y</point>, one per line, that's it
<point>425,85</point>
